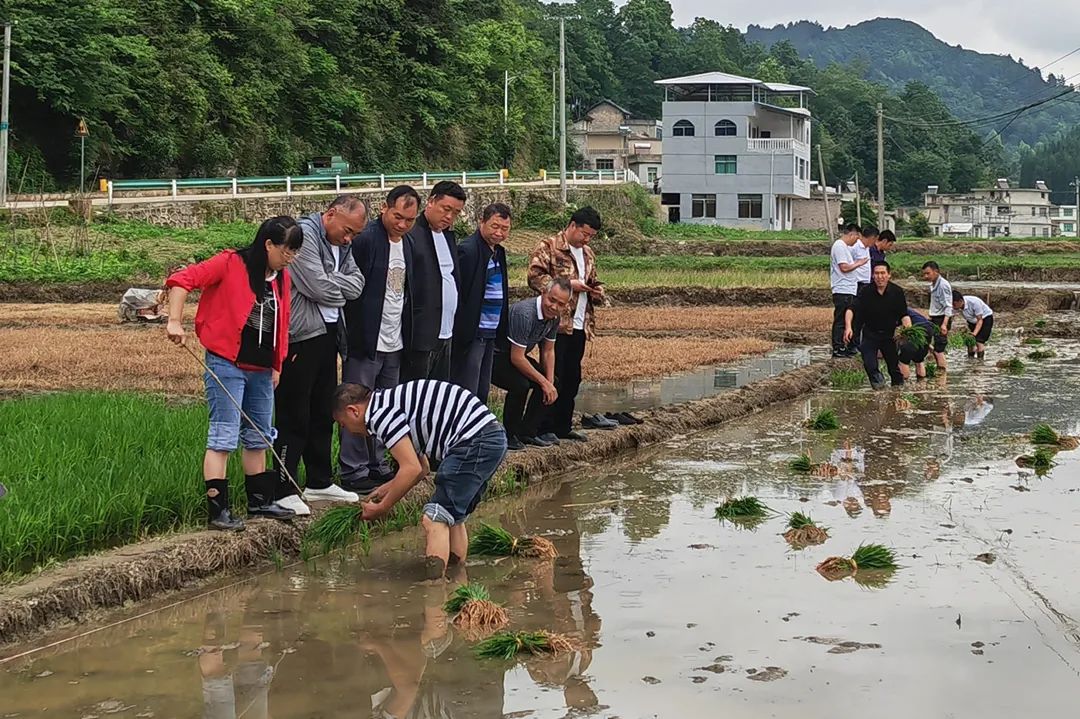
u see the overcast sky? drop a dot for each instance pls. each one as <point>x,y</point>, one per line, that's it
<point>1036,30</point>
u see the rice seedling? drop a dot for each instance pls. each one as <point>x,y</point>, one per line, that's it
<point>844,378</point>
<point>970,342</point>
<point>1043,433</point>
<point>824,420</point>
<point>931,370</point>
<point>1038,355</point>
<point>1033,341</point>
<point>1039,324</point>
<point>742,508</point>
<point>494,541</point>
<point>874,557</point>
<point>802,463</point>
<point>803,531</point>
<point>1013,365</point>
<point>336,528</point>
<point>915,336</point>
<point>1041,460</point>
<point>507,645</point>
<point>474,611</point>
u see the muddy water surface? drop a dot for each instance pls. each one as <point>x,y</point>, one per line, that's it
<point>675,613</point>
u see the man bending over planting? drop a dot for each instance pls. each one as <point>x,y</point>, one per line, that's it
<point>428,419</point>
<point>980,320</point>
<point>881,308</point>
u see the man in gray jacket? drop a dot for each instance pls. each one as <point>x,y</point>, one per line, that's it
<point>324,276</point>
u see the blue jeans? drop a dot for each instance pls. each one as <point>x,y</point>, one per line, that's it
<point>464,473</point>
<point>254,390</point>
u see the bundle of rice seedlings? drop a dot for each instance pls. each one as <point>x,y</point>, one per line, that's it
<point>906,401</point>
<point>473,609</point>
<point>336,528</point>
<point>497,542</point>
<point>802,463</point>
<point>507,645</point>
<point>742,508</point>
<point>970,341</point>
<point>824,420</point>
<point>931,370</point>
<point>1041,355</point>
<point>1033,341</point>
<point>1013,364</point>
<point>1041,460</point>
<point>875,557</point>
<point>804,531</point>
<point>915,336</point>
<point>1043,433</point>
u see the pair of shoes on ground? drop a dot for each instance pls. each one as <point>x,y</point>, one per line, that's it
<point>845,354</point>
<point>548,439</point>
<point>598,421</point>
<point>623,418</point>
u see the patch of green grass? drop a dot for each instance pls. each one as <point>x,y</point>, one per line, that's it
<point>845,378</point>
<point>1033,341</point>
<point>1039,324</point>
<point>824,421</point>
<point>802,463</point>
<point>1038,355</point>
<point>742,508</point>
<point>874,556</point>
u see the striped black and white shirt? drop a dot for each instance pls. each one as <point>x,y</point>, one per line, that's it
<point>435,415</point>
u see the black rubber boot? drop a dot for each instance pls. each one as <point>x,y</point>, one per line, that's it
<point>261,489</point>
<point>218,515</point>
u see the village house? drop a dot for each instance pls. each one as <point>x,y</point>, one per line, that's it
<point>609,137</point>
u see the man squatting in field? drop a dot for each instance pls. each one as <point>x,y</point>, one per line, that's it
<point>421,420</point>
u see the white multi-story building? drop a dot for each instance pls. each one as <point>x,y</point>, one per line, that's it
<point>736,150</point>
<point>999,211</point>
<point>1063,220</point>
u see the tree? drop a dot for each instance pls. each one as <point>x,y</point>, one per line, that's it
<point>869,213</point>
<point>919,225</point>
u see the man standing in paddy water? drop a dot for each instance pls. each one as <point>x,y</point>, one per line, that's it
<point>434,295</point>
<point>324,277</point>
<point>941,310</point>
<point>863,249</point>
<point>882,307</point>
<point>842,279</point>
<point>384,321</point>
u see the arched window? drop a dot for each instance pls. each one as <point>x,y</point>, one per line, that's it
<point>683,128</point>
<point>725,128</point>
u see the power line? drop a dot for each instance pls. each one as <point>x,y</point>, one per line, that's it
<point>978,121</point>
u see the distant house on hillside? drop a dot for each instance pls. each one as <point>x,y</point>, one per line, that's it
<point>988,212</point>
<point>737,150</point>
<point>611,138</point>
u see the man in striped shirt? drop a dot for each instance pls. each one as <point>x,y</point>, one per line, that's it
<point>421,420</point>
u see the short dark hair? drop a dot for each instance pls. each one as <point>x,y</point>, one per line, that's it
<point>887,236</point>
<point>347,394</point>
<point>957,296</point>
<point>400,191</point>
<point>562,283</point>
<point>884,264</point>
<point>586,216</point>
<point>448,188</point>
<point>931,265</point>
<point>869,231</point>
<point>496,208</point>
<point>851,227</point>
<point>346,203</point>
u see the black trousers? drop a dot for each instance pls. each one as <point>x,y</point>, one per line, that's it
<point>524,409</point>
<point>857,321</point>
<point>302,406</point>
<point>569,351</point>
<point>984,331</point>
<point>872,343</point>
<point>841,304</point>
<point>433,364</point>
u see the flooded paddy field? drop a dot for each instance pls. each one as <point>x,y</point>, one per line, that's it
<point>674,613</point>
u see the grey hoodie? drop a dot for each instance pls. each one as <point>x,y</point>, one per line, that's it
<point>314,282</point>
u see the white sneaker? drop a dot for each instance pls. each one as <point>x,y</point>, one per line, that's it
<point>333,493</point>
<point>294,503</point>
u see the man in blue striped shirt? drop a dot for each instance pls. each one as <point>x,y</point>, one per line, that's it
<point>440,421</point>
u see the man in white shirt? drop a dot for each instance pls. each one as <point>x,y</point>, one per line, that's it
<point>979,318</point>
<point>863,249</point>
<point>380,322</point>
<point>842,279</point>
<point>436,285</point>
<point>941,309</point>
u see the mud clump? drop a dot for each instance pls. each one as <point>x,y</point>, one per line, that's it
<point>810,535</point>
<point>768,674</point>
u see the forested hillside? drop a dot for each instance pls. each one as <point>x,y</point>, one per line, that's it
<point>206,87</point>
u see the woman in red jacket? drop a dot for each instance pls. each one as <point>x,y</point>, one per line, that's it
<point>243,322</point>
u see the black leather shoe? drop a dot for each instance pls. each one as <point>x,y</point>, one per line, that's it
<point>549,437</point>
<point>574,436</point>
<point>534,442</point>
<point>362,486</point>
<point>620,418</point>
<point>597,421</point>
<point>513,444</point>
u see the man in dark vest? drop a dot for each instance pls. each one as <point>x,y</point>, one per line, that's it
<point>434,295</point>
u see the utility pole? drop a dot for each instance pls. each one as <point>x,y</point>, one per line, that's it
<point>81,132</point>
<point>1076,212</point>
<point>830,225</point>
<point>881,165</point>
<point>4,116</point>
<point>554,103</point>
<point>562,108</point>
<point>858,202</point>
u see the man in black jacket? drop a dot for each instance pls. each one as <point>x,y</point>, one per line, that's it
<point>484,301</point>
<point>434,294</point>
<point>880,308</point>
<point>381,326</point>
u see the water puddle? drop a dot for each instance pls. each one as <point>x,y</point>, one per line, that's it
<point>674,613</point>
<point>686,386</point>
